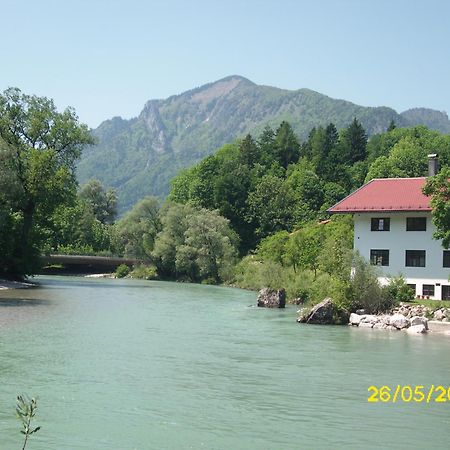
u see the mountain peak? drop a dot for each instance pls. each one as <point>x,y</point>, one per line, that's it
<point>141,155</point>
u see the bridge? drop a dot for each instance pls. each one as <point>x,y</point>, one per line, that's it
<point>84,264</point>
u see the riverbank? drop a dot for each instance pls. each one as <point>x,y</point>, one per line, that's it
<point>414,319</point>
<point>7,284</point>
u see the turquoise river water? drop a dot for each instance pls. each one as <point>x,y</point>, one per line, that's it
<point>129,365</point>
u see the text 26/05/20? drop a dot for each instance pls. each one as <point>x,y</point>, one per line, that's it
<point>408,393</point>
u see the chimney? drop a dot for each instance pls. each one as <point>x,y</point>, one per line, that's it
<point>433,164</point>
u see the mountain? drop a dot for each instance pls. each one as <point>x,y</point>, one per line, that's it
<point>140,156</point>
<point>437,120</point>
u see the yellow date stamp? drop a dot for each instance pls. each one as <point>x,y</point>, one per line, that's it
<point>409,394</point>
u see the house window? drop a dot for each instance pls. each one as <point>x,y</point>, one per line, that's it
<point>416,224</point>
<point>446,259</point>
<point>383,224</point>
<point>379,257</point>
<point>445,292</point>
<point>428,289</point>
<point>415,258</point>
<point>412,287</point>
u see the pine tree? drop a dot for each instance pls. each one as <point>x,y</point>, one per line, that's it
<point>353,143</point>
<point>286,145</point>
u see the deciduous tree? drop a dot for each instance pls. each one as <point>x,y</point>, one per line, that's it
<point>439,189</point>
<point>42,146</point>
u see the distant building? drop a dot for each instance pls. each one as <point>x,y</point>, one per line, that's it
<point>394,230</point>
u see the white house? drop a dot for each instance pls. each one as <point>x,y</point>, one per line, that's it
<point>394,230</point>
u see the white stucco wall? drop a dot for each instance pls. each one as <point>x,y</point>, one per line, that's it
<point>397,241</point>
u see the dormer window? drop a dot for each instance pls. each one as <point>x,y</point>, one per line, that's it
<point>380,224</point>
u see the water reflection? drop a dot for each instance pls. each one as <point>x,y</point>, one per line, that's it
<point>16,302</point>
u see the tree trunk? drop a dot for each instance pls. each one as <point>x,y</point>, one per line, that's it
<point>24,255</point>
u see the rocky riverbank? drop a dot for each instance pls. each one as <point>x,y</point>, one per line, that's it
<point>414,319</point>
<point>411,318</point>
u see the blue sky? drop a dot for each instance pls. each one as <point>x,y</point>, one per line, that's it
<point>108,57</point>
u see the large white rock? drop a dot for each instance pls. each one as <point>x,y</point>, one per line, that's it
<point>416,329</point>
<point>369,318</point>
<point>399,321</point>
<point>355,319</point>
<point>418,320</point>
<point>439,315</point>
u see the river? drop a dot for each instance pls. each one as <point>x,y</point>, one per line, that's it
<point>122,364</point>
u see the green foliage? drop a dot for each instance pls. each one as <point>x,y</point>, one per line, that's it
<point>137,230</point>
<point>38,150</point>
<point>75,228</point>
<point>262,187</point>
<point>403,152</point>
<point>122,271</point>
<point>286,145</point>
<point>364,291</point>
<point>335,257</point>
<point>252,273</point>
<point>271,206</point>
<point>307,190</point>
<point>26,411</point>
<point>273,247</point>
<point>399,291</point>
<point>140,160</point>
<point>438,187</point>
<point>194,244</point>
<point>102,202</point>
<point>144,272</point>
<point>352,143</point>
<point>312,263</point>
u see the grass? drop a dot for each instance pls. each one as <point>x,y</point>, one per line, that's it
<point>435,304</point>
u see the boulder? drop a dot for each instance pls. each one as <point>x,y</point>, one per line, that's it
<point>416,329</point>
<point>272,298</point>
<point>439,315</point>
<point>385,320</point>
<point>417,320</point>
<point>369,318</point>
<point>322,313</point>
<point>399,321</point>
<point>355,319</point>
<point>380,326</point>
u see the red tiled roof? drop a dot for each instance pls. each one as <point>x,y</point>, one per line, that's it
<point>386,194</point>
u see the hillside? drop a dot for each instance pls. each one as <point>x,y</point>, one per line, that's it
<point>139,156</point>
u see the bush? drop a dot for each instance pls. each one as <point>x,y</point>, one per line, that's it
<point>144,272</point>
<point>398,291</point>
<point>364,290</point>
<point>122,271</point>
<point>252,273</point>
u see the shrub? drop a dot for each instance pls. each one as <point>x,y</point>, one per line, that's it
<point>144,272</point>
<point>252,273</point>
<point>364,290</point>
<point>122,271</point>
<point>398,291</point>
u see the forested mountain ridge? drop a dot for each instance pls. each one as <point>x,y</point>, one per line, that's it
<point>139,156</point>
